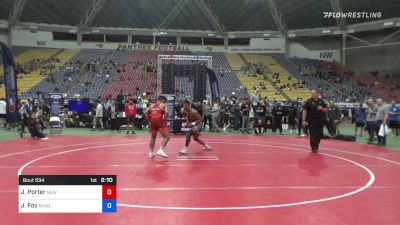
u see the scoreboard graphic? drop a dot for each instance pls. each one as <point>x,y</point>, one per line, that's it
<point>67,193</point>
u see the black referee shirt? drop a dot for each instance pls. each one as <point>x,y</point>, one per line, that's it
<point>315,116</point>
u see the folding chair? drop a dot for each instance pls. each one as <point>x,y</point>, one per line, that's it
<point>55,123</point>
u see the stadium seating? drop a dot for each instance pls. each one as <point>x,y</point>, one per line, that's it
<point>382,86</point>
<point>36,54</point>
<point>127,81</point>
<point>65,58</point>
<point>96,80</point>
<point>351,85</point>
<point>227,79</point>
<point>235,61</point>
<point>285,78</point>
<point>335,82</point>
<point>27,81</point>
<point>251,84</point>
<point>18,50</point>
<point>325,82</point>
<point>151,86</point>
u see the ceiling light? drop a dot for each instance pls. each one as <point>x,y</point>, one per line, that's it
<point>388,24</point>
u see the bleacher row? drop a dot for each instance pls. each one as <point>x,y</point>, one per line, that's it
<point>126,71</point>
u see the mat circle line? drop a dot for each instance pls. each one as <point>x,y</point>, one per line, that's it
<point>367,184</point>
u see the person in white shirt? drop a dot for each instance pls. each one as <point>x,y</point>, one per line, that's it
<point>98,116</point>
<point>3,107</point>
<point>3,111</point>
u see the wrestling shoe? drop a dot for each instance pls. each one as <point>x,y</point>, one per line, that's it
<point>162,153</point>
<point>207,147</point>
<point>184,151</point>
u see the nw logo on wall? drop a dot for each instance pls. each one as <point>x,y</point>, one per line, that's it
<point>326,55</point>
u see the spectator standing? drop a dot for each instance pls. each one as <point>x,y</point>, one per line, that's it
<point>130,113</point>
<point>360,116</point>
<point>292,114</point>
<point>3,111</point>
<point>114,117</point>
<point>268,116</point>
<point>236,112</point>
<point>394,118</point>
<point>379,118</point>
<point>333,117</point>
<point>300,127</point>
<point>215,117</point>
<point>260,116</point>
<point>245,110</point>
<point>207,108</point>
<point>371,122</point>
<point>120,101</point>
<point>98,117</point>
<point>278,115</point>
<point>226,119</point>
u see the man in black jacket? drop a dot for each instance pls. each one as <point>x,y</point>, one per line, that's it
<point>120,102</point>
<point>292,114</point>
<point>313,114</point>
<point>278,114</point>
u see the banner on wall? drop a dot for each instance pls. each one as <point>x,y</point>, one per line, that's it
<point>10,83</point>
<point>147,47</point>
<point>185,48</point>
<point>255,50</point>
<point>171,111</point>
<point>56,101</point>
<point>214,85</point>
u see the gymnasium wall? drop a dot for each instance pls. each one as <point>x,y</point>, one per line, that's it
<point>45,39</point>
<point>383,58</point>
<point>3,37</point>
<point>321,48</point>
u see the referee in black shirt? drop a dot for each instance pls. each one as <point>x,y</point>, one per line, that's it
<point>313,113</point>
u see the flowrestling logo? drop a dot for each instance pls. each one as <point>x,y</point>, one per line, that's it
<point>353,15</point>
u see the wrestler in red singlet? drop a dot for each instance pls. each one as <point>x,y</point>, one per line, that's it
<point>157,121</point>
<point>158,113</point>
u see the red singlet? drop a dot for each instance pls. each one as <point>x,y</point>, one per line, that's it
<point>157,121</point>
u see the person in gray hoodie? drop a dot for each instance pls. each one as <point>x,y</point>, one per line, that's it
<point>371,120</point>
<point>215,111</point>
